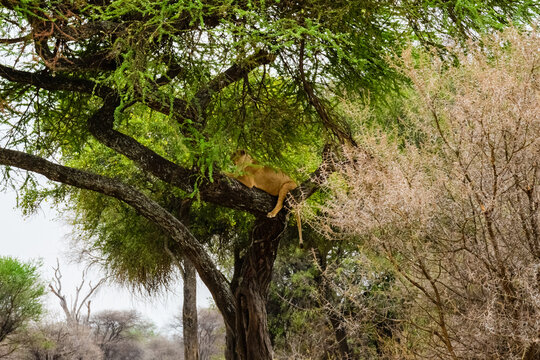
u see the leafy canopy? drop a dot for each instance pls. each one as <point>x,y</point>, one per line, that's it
<point>21,290</point>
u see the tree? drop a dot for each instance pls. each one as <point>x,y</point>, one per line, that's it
<point>21,291</point>
<point>344,292</point>
<point>58,340</point>
<point>217,76</point>
<point>210,332</point>
<point>74,317</point>
<point>116,333</point>
<point>161,348</point>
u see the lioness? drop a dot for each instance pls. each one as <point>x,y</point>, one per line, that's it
<point>274,182</point>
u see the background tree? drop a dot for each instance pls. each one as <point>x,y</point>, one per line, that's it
<point>162,348</point>
<point>261,76</point>
<point>73,310</point>
<point>21,292</point>
<point>211,332</point>
<point>346,293</point>
<point>58,340</point>
<point>116,333</point>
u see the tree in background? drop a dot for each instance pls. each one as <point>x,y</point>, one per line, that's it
<point>21,292</point>
<point>116,333</point>
<point>161,348</point>
<point>109,334</point>
<point>216,76</point>
<point>73,311</point>
<point>344,292</point>
<point>57,340</point>
<point>210,332</point>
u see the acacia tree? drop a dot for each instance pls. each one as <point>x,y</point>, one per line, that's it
<point>222,75</point>
<point>115,333</point>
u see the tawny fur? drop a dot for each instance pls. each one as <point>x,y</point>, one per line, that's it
<point>274,182</point>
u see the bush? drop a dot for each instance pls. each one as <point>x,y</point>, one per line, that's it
<point>21,291</point>
<point>457,213</point>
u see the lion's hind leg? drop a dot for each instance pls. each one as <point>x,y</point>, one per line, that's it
<point>285,188</point>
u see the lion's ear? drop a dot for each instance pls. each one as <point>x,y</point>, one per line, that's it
<point>238,153</point>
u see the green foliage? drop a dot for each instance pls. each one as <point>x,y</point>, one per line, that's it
<point>346,48</point>
<point>21,292</point>
<point>130,248</point>
<point>337,283</point>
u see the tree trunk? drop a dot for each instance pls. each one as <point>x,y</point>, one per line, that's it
<point>189,313</point>
<point>251,292</point>
<point>190,326</point>
<point>341,336</point>
<point>230,344</point>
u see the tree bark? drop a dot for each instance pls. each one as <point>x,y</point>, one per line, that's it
<point>190,324</point>
<point>251,292</point>
<point>341,336</point>
<point>189,313</point>
<point>230,343</point>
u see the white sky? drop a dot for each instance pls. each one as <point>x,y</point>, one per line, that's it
<point>41,236</point>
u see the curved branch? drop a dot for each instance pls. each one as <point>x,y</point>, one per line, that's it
<point>233,74</point>
<point>58,82</point>
<point>222,191</point>
<point>190,246</point>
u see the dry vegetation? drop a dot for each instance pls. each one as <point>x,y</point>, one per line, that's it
<point>456,214</point>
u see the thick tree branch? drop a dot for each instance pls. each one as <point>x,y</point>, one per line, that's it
<point>173,71</point>
<point>190,246</point>
<point>222,191</point>
<point>58,82</point>
<point>233,74</point>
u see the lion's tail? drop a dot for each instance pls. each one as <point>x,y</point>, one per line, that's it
<point>299,223</point>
